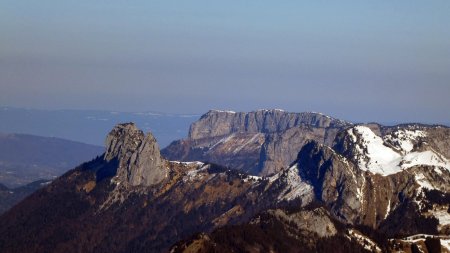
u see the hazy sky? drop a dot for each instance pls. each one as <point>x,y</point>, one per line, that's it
<point>373,61</point>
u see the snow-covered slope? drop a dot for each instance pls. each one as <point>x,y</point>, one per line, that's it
<point>403,140</point>
<point>393,153</point>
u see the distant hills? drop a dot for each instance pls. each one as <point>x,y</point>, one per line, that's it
<point>27,158</point>
<point>92,126</point>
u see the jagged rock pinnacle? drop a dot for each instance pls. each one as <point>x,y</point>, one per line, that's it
<point>140,161</point>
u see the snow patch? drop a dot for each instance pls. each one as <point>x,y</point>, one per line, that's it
<point>45,183</point>
<point>225,111</point>
<point>442,216</point>
<point>364,240</point>
<point>196,173</point>
<point>445,243</point>
<point>404,139</point>
<point>424,158</point>
<point>295,187</point>
<point>359,192</point>
<point>372,154</point>
<point>195,162</point>
<point>252,140</point>
<point>423,182</point>
<point>388,208</point>
<point>270,110</point>
<point>274,178</point>
<point>223,140</point>
<point>252,178</point>
<point>445,240</point>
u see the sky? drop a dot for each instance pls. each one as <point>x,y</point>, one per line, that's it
<point>363,61</point>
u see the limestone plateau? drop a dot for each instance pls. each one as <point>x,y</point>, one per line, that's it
<point>263,181</point>
<point>261,142</point>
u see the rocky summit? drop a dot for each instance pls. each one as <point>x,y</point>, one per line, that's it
<point>348,188</point>
<point>140,162</point>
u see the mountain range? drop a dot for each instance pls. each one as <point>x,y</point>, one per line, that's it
<point>263,181</point>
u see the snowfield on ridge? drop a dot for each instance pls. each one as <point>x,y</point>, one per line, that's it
<point>392,154</point>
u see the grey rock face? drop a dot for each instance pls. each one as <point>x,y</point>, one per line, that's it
<point>334,181</point>
<point>281,149</point>
<point>140,162</point>
<point>261,142</point>
<point>220,123</point>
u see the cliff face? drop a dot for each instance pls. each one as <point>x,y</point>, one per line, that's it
<point>140,162</point>
<point>261,142</point>
<point>281,149</point>
<point>221,123</point>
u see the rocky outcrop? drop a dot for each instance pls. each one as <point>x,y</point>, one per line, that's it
<point>262,142</point>
<point>140,162</point>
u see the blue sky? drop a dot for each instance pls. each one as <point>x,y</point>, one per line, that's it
<point>384,61</point>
